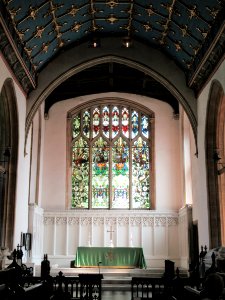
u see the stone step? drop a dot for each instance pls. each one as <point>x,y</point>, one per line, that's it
<point>116,287</point>
<point>119,284</point>
<point>108,271</point>
<point>122,282</point>
<point>116,280</point>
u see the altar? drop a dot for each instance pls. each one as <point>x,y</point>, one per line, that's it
<point>110,257</point>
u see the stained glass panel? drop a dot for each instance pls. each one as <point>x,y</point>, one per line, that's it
<point>145,126</point>
<point>100,174</point>
<point>125,121</point>
<point>80,174</point>
<point>134,123</point>
<point>115,121</point>
<point>106,162</point>
<point>76,126</point>
<point>86,123</point>
<point>120,174</point>
<point>105,121</point>
<point>96,121</point>
<point>140,175</point>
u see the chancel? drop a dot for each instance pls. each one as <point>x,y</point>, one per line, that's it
<point>112,148</point>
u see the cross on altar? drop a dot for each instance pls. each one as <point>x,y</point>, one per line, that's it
<point>111,237</point>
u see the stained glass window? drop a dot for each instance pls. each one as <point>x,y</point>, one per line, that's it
<point>112,150</point>
<point>100,174</point>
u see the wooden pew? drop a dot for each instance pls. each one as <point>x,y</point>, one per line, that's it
<point>90,286</point>
<point>147,288</point>
<point>65,287</point>
<point>144,288</point>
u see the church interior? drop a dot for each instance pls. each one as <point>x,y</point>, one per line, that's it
<point>112,118</point>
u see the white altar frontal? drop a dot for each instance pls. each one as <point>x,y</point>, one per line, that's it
<point>162,235</point>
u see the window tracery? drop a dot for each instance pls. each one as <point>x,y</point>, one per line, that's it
<point>112,151</point>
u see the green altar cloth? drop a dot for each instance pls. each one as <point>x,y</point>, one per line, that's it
<point>117,257</point>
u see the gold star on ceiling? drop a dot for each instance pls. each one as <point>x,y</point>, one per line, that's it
<point>39,31</point>
<point>203,32</point>
<point>178,46</point>
<point>187,63</point>
<point>184,30</point>
<point>21,33</point>
<point>147,27</point>
<point>112,19</point>
<point>73,10</point>
<point>112,3</point>
<point>76,27</point>
<point>45,47</point>
<point>212,11</point>
<point>61,43</point>
<point>13,13</point>
<point>193,12</point>
<point>33,12</point>
<point>168,7</point>
<point>194,49</point>
<point>28,51</point>
<point>125,27</point>
<point>150,11</point>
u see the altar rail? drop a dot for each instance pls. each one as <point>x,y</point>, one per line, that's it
<point>90,286</point>
<point>162,235</point>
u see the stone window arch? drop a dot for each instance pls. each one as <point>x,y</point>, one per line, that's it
<point>111,151</point>
<point>8,162</point>
<point>215,162</point>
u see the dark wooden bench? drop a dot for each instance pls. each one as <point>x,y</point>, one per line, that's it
<point>65,287</point>
<point>90,286</point>
<point>147,288</point>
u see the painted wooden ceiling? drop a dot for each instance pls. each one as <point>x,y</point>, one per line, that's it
<point>33,32</point>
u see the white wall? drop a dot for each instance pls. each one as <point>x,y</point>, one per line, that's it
<point>167,153</point>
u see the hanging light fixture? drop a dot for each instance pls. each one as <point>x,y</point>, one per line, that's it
<point>127,42</point>
<point>95,42</point>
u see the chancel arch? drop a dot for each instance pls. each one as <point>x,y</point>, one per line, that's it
<point>153,63</point>
<point>8,162</point>
<point>215,161</point>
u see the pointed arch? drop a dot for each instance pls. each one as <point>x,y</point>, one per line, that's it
<point>110,155</point>
<point>8,162</point>
<point>215,150</point>
<point>151,62</point>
